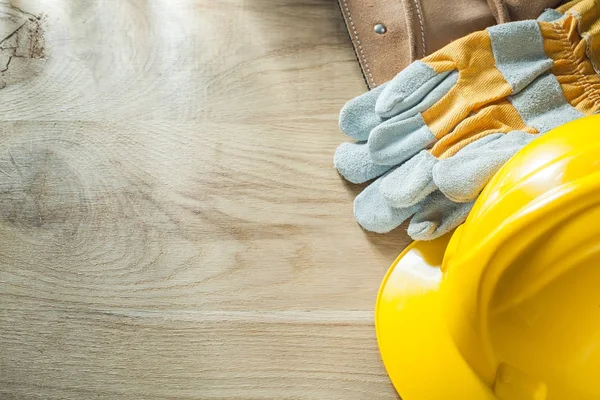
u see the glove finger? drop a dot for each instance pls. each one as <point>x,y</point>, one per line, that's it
<point>401,137</point>
<point>395,142</point>
<point>354,163</point>
<point>375,214</point>
<point>428,100</point>
<point>409,87</point>
<point>411,182</point>
<point>437,216</point>
<point>358,117</point>
<point>463,176</point>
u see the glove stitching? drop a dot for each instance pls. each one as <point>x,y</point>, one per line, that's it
<point>584,81</point>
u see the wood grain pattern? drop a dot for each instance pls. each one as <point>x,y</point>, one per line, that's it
<point>171,224</point>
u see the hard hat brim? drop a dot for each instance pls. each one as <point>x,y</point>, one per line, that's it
<point>416,347</point>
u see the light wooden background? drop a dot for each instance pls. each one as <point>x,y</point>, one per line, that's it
<point>171,225</point>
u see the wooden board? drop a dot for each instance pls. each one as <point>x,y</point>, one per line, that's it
<point>171,223</point>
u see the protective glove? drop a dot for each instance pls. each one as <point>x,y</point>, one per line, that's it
<point>571,90</point>
<point>462,159</point>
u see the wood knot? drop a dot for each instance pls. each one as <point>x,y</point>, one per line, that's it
<point>38,188</point>
<point>21,42</point>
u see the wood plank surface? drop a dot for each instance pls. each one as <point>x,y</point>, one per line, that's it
<point>171,224</point>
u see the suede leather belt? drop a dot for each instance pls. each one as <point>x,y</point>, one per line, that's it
<point>388,35</point>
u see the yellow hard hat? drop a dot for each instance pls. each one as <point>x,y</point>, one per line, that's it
<point>509,306</point>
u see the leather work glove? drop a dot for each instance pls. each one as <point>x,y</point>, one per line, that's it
<point>437,132</point>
